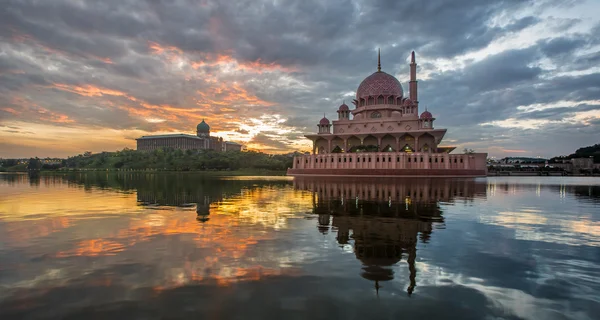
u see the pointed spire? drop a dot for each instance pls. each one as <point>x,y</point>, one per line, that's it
<point>379,60</point>
<point>412,57</point>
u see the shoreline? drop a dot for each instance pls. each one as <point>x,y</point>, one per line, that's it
<point>198,172</point>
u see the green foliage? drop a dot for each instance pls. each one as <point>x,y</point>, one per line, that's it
<point>584,152</point>
<point>179,160</point>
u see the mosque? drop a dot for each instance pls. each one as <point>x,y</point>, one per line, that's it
<point>201,141</point>
<point>384,135</point>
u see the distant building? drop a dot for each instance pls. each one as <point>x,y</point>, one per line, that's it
<point>524,160</point>
<point>583,163</point>
<point>201,141</point>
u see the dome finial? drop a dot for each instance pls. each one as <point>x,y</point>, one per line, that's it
<point>379,60</point>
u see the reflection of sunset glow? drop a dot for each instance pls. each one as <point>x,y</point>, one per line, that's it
<point>237,225</point>
<point>94,247</point>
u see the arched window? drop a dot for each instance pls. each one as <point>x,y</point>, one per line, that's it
<point>390,100</point>
<point>375,115</point>
<point>380,100</point>
<point>371,101</point>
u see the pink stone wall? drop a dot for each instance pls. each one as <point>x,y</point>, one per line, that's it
<point>390,163</point>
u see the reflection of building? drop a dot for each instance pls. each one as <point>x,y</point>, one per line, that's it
<point>201,141</point>
<point>384,135</point>
<point>418,190</point>
<point>384,220</point>
<point>182,199</point>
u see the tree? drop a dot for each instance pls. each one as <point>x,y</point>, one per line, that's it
<point>34,164</point>
<point>468,151</point>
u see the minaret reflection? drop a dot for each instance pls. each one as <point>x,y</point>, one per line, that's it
<point>203,210</point>
<point>384,219</point>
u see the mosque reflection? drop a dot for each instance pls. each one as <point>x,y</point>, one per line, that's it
<point>385,219</point>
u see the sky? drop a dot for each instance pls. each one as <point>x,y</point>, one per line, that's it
<point>507,77</point>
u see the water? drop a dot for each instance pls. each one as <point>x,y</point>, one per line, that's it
<point>168,246</point>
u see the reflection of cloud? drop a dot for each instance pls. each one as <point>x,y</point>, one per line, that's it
<point>104,226</point>
<point>94,247</point>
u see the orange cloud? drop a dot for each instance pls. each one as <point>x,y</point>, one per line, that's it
<point>223,60</point>
<point>34,109</point>
<point>90,91</point>
<point>11,110</point>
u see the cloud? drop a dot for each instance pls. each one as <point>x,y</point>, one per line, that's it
<point>153,67</point>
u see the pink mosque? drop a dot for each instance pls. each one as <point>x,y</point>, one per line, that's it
<point>384,135</point>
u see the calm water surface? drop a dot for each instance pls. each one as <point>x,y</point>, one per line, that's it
<point>156,246</point>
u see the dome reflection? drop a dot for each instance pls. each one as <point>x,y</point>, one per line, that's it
<point>384,219</point>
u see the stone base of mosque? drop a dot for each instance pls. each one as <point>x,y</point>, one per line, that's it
<point>409,173</point>
<point>390,164</point>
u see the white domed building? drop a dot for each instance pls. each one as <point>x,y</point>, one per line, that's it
<point>201,141</point>
<point>384,135</point>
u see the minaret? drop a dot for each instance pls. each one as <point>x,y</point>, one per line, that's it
<point>413,79</point>
<point>379,60</point>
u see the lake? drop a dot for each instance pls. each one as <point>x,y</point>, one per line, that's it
<point>170,246</point>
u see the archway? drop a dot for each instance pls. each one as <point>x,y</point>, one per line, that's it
<point>337,142</point>
<point>352,142</point>
<point>388,140</point>
<point>322,146</point>
<point>371,144</point>
<point>426,140</point>
<point>409,140</point>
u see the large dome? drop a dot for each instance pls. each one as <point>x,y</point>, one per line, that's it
<point>379,83</point>
<point>203,127</point>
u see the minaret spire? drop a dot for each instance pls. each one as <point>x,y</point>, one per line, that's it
<point>413,79</point>
<point>379,61</point>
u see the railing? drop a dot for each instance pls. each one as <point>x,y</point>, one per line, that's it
<point>391,160</point>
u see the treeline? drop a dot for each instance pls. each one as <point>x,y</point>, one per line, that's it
<point>584,152</point>
<point>172,160</point>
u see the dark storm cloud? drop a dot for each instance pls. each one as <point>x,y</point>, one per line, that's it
<point>115,63</point>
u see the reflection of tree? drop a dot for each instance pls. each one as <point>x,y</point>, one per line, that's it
<point>171,189</point>
<point>384,220</point>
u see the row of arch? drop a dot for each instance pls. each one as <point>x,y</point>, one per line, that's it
<point>371,143</point>
<point>381,99</point>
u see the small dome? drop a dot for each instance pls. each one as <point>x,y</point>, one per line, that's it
<point>324,121</point>
<point>343,107</point>
<point>379,83</point>
<point>426,115</point>
<point>407,102</point>
<point>203,127</point>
